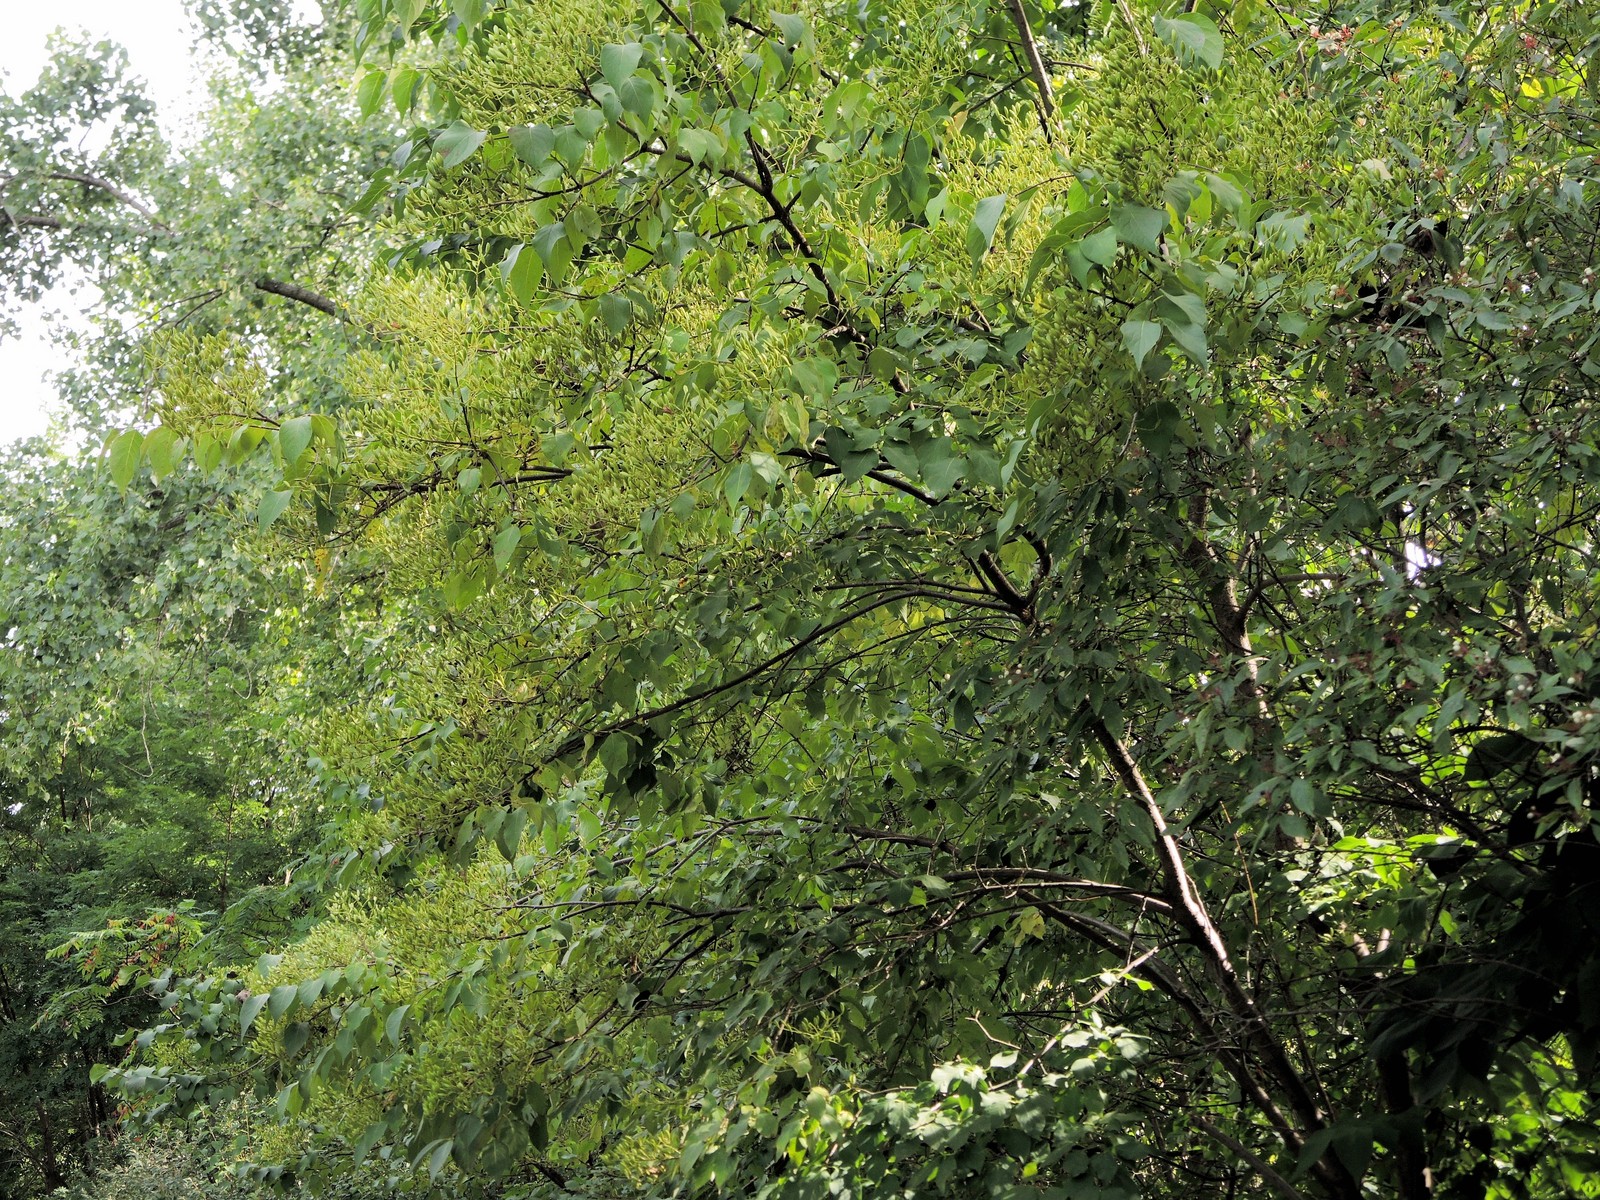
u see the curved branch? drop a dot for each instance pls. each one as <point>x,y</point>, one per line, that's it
<point>112,190</point>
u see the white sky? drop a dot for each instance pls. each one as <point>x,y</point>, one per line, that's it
<point>160,47</point>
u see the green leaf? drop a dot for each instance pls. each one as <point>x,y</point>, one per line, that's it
<point>1304,796</point>
<point>523,269</point>
<point>272,505</point>
<point>123,456</point>
<point>616,311</point>
<point>438,1158</point>
<point>792,27</point>
<point>457,142</point>
<point>1228,195</point>
<point>1139,227</point>
<point>980,230</point>
<point>699,144</point>
<point>941,468</point>
<point>616,752</point>
<point>533,144</point>
<point>252,1006</point>
<point>509,836</point>
<point>617,62</point>
<point>394,1023</point>
<point>1140,337</point>
<point>815,378</point>
<point>1496,754</point>
<point>853,454</point>
<point>1191,338</point>
<point>160,446</point>
<point>369,93</point>
<point>1181,191</point>
<point>295,1036</point>
<point>1100,247</point>
<point>1283,230</point>
<point>1157,425</point>
<point>1194,38</point>
<point>505,545</point>
<point>548,243</point>
<point>294,435</point>
<point>1181,308</point>
<point>282,998</point>
<point>737,484</point>
<point>461,588</point>
<point>403,88</point>
<point>406,12</point>
<point>638,95</point>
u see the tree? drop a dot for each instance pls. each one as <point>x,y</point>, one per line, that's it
<point>154,788</point>
<point>249,229</point>
<point>136,778</point>
<point>951,639</point>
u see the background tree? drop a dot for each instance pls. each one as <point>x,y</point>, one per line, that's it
<point>156,788</point>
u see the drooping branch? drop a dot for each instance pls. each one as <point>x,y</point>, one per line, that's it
<point>112,190</point>
<point>1257,1164</point>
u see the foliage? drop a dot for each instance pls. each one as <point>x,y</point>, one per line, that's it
<point>134,777</point>
<point>150,757</point>
<point>955,621</point>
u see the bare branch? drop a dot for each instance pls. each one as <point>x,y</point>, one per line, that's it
<point>1030,51</point>
<point>1274,1180</point>
<point>303,295</point>
<point>29,220</point>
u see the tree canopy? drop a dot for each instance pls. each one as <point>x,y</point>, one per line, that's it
<point>888,599</point>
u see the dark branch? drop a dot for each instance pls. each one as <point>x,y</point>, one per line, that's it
<point>303,295</point>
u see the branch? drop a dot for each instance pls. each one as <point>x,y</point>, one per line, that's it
<point>1277,1182</point>
<point>1011,597</point>
<point>1229,616</point>
<point>29,220</point>
<point>1150,967</point>
<point>1030,51</point>
<point>556,1177</point>
<point>1190,910</point>
<point>111,189</point>
<point>304,295</point>
<point>576,741</point>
